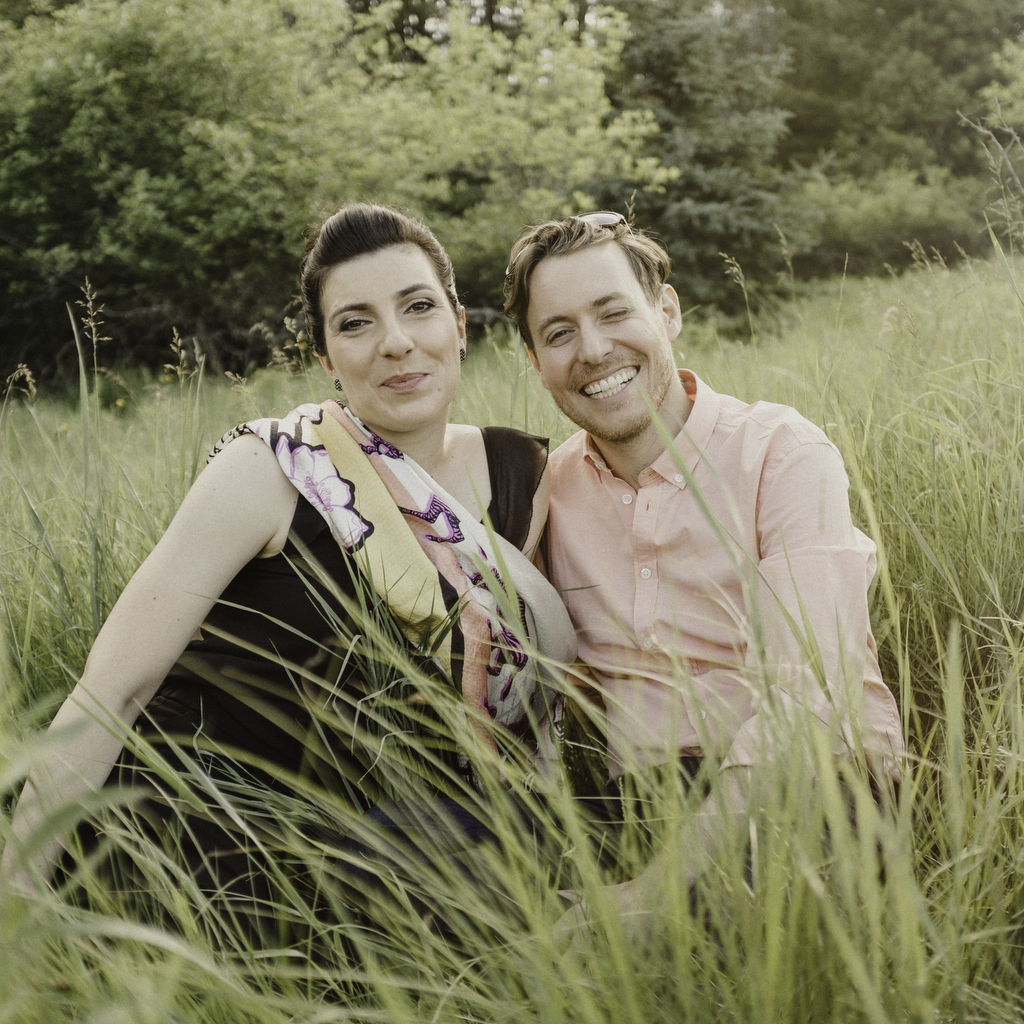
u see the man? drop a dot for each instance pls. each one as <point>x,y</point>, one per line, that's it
<point>704,547</point>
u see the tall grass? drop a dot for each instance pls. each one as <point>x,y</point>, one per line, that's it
<point>911,917</point>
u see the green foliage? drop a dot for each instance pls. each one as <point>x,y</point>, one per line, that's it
<point>879,85</point>
<point>492,131</point>
<point>999,129</point>
<point>162,150</point>
<point>866,224</point>
<point>876,92</point>
<point>174,153</point>
<point>711,78</point>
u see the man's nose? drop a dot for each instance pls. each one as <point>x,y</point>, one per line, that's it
<point>594,344</point>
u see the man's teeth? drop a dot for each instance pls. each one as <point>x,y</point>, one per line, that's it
<point>610,385</point>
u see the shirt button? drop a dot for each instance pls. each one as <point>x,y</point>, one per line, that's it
<point>645,574</point>
<point>627,499</point>
<point>679,478</point>
<point>703,714</point>
<point>649,642</point>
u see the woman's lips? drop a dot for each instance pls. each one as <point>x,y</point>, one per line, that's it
<point>404,382</point>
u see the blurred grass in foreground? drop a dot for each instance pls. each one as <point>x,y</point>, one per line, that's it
<point>919,382</point>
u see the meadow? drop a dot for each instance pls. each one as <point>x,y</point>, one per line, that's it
<point>917,917</point>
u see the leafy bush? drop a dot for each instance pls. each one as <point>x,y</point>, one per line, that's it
<point>173,154</point>
<point>864,226</point>
<point>162,150</point>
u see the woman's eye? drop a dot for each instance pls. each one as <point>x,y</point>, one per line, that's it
<point>421,305</point>
<point>353,323</point>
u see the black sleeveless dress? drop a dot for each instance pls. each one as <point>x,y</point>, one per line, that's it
<point>241,714</point>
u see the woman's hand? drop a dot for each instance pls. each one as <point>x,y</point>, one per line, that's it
<point>636,904</point>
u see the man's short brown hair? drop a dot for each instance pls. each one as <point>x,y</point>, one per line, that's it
<point>649,261</point>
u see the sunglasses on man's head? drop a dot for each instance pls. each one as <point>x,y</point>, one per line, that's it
<point>599,218</point>
<point>603,218</point>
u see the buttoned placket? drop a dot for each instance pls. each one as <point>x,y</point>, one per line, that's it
<point>647,501</point>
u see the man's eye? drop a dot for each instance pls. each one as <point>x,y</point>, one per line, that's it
<point>616,314</point>
<point>557,337</point>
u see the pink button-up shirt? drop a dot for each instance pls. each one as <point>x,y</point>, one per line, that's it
<point>725,601</point>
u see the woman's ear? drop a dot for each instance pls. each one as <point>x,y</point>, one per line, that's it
<point>460,319</point>
<point>325,362</point>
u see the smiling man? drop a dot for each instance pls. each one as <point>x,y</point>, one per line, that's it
<point>717,584</point>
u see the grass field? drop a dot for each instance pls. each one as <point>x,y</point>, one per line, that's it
<point>919,382</point>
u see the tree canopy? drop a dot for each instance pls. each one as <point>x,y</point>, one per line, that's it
<point>710,78</point>
<point>877,83</point>
<point>175,151</point>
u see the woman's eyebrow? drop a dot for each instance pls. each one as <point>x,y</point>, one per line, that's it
<point>350,307</point>
<point>413,288</point>
<point>360,307</point>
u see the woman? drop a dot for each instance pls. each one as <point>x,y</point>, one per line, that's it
<point>225,634</point>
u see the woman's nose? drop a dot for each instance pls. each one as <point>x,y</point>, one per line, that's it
<point>395,340</point>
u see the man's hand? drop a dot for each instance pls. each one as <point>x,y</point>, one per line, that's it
<point>640,903</point>
<point>636,904</point>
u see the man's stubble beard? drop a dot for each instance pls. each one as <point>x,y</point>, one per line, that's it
<point>662,374</point>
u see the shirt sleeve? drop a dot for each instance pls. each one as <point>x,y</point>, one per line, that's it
<point>810,653</point>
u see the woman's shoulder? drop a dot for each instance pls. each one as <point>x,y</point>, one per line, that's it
<point>245,464</point>
<point>516,462</point>
<point>294,425</point>
<point>502,441</point>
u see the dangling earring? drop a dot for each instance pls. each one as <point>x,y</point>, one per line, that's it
<point>462,355</point>
<point>337,384</point>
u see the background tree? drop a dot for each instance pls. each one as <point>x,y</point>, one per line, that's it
<point>498,129</point>
<point>173,153</point>
<point>710,76</point>
<point>877,83</point>
<point>1000,127</point>
<point>874,89</point>
<point>162,151</point>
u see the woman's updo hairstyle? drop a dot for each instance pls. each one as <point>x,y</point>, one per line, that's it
<point>358,229</point>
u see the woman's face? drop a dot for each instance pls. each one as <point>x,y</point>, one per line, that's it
<point>393,340</point>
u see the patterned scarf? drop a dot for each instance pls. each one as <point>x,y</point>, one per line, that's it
<point>404,530</point>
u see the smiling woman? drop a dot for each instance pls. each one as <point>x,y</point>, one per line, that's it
<point>395,343</point>
<point>296,522</point>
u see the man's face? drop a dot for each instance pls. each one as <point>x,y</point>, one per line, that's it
<point>599,342</point>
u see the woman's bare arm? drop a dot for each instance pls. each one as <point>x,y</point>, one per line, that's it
<point>240,507</point>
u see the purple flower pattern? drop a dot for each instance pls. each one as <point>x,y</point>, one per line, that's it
<point>310,469</point>
<point>437,510</point>
<point>378,446</point>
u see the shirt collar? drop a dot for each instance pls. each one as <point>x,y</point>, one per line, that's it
<point>692,441</point>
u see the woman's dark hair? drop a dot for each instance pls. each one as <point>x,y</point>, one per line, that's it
<point>358,229</point>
